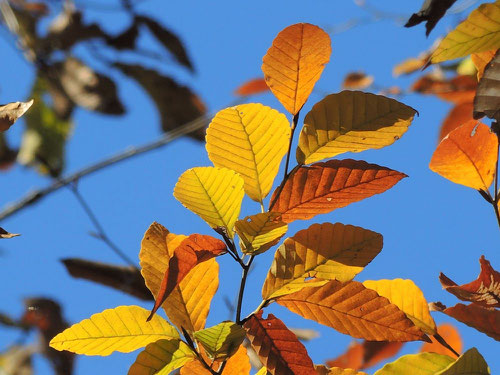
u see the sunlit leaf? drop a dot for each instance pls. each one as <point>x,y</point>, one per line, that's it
<point>471,362</point>
<point>123,329</point>
<point>260,232</point>
<point>352,309</point>
<point>9,113</point>
<point>5,234</point>
<point>351,121</point>
<point>215,194</point>
<point>487,100</point>
<point>161,357</point>
<point>251,139</point>
<point>450,334</point>
<point>483,319</point>
<point>479,32</point>
<point>411,65</point>
<point>278,348</point>
<point>417,364</point>
<point>322,252</point>
<point>485,290</point>
<point>409,298</point>
<point>459,115</point>
<point>193,250</point>
<point>189,303</point>
<point>221,341</point>
<point>482,59</point>
<point>294,63</point>
<point>324,187</point>
<point>431,12</point>
<point>252,87</point>
<point>357,81</point>
<point>467,156</point>
<point>237,364</point>
<point>344,371</point>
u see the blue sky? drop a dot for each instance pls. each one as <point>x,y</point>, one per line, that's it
<point>429,224</point>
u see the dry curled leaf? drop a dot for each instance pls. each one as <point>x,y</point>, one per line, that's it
<point>9,113</point>
<point>5,234</point>
<point>431,12</point>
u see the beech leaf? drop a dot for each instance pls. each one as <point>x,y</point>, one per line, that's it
<point>417,364</point>
<point>221,341</point>
<point>480,60</point>
<point>487,99</point>
<point>459,115</point>
<point>237,364</point>
<point>471,362</point>
<point>260,232</point>
<point>9,113</point>
<point>324,187</point>
<point>451,335</point>
<point>294,63</point>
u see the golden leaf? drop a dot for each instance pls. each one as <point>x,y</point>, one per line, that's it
<point>416,364</point>
<point>260,232</point>
<point>482,59</point>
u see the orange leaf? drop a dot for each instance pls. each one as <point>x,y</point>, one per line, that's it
<point>482,59</point>
<point>411,65</point>
<point>324,187</point>
<point>467,156</point>
<point>352,309</point>
<point>451,335</point>
<point>237,364</point>
<point>484,291</point>
<point>457,90</point>
<point>294,63</point>
<point>357,81</point>
<point>195,249</point>
<point>252,87</point>
<point>361,355</point>
<point>278,347</point>
<point>459,115</point>
<point>475,316</point>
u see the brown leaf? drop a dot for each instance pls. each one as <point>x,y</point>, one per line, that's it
<point>459,115</point>
<point>486,320</point>
<point>195,249</point>
<point>278,348</point>
<point>324,187</point>
<point>125,279</point>
<point>451,335</point>
<point>5,234</point>
<point>177,104</point>
<point>459,89</point>
<point>357,81</point>
<point>352,309</point>
<point>431,12</point>
<point>252,87</point>
<point>9,113</point>
<point>487,99</point>
<point>484,291</point>
<point>294,63</point>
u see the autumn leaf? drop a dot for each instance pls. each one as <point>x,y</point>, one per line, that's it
<point>344,371</point>
<point>475,316</point>
<point>450,334</point>
<point>237,364</point>
<point>322,252</point>
<point>260,232</point>
<point>431,12</point>
<point>324,187</point>
<point>294,63</point>
<point>487,99</point>
<point>411,65</point>
<point>417,364</point>
<point>123,329</point>
<point>278,348</point>
<point>457,90</point>
<point>189,303</point>
<point>484,291</point>
<point>351,121</point>
<point>479,32</point>
<point>467,156</point>
<point>5,234</point>
<point>214,194</point>
<point>409,298</point>
<point>471,362</point>
<point>482,59</point>
<point>252,87</point>
<point>193,250</point>
<point>257,138</point>
<point>161,357</point>
<point>221,341</point>
<point>9,113</point>
<point>459,115</point>
<point>351,308</point>
<point>357,81</point>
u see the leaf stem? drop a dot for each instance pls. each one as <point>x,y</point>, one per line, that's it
<point>232,248</point>
<point>443,342</point>
<point>295,120</point>
<point>496,193</point>
<point>190,343</point>
<point>244,275</point>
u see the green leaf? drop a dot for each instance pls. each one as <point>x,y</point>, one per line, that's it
<point>417,364</point>
<point>471,362</point>
<point>221,341</point>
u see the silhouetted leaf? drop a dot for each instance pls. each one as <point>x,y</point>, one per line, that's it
<point>126,39</point>
<point>9,113</point>
<point>431,12</point>
<point>487,100</point>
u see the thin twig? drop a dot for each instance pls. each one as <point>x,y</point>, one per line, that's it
<point>100,229</point>
<point>496,194</point>
<point>244,275</point>
<point>190,343</point>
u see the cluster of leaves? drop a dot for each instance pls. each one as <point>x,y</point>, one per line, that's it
<point>312,271</point>
<point>65,82</point>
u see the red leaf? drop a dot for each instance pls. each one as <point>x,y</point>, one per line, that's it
<point>192,251</point>
<point>278,347</point>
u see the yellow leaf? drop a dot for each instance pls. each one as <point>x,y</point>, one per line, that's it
<point>416,364</point>
<point>351,121</point>
<point>215,194</point>
<point>260,232</point>
<point>479,32</point>
<point>467,156</point>
<point>322,251</point>
<point>471,362</point>
<point>188,305</point>
<point>250,139</point>
<point>161,357</point>
<point>344,371</point>
<point>409,298</point>
<point>352,309</point>
<point>482,59</point>
<point>221,341</point>
<point>238,364</point>
<point>294,63</point>
<point>123,329</point>
<point>262,371</point>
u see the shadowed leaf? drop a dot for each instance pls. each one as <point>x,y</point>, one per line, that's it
<point>221,341</point>
<point>260,232</point>
<point>324,187</point>
<point>322,252</point>
<point>431,12</point>
<point>9,113</point>
<point>471,362</point>
<point>487,100</point>
<point>417,364</point>
<point>294,63</point>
